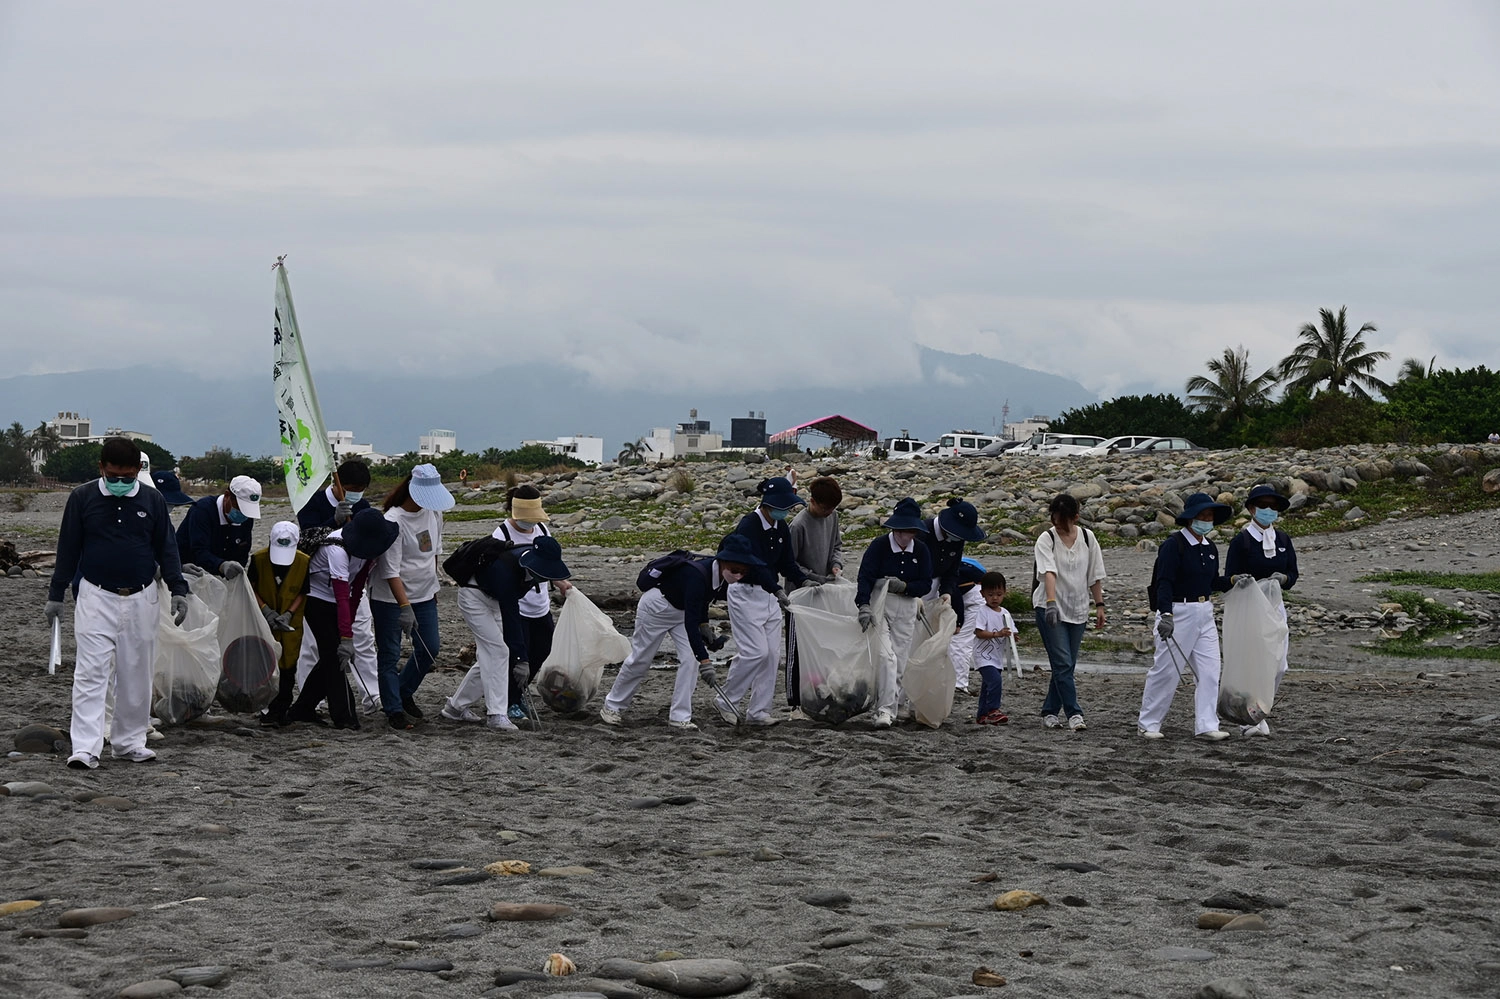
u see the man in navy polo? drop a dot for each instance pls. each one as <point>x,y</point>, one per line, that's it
<point>215,534</point>
<point>114,537</point>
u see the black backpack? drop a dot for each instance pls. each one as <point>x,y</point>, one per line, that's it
<point>313,538</point>
<point>473,556</point>
<point>650,577</point>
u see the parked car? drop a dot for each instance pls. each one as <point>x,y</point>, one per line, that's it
<point>1158,445</point>
<point>1114,444</point>
<point>997,448</point>
<point>903,447</point>
<point>957,443</point>
<point>1047,443</point>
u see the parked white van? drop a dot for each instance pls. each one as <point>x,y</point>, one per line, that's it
<point>904,447</point>
<point>1115,444</point>
<point>964,442</point>
<point>1047,443</point>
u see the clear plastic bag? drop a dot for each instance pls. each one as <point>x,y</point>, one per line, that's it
<point>1255,632</point>
<point>584,642</point>
<point>185,675</point>
<point>838,663</point>
<point>928,681</point>
<point>248,651</point>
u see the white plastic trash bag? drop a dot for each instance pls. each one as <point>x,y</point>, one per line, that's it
<point>248,652</point>
<point>1255,633</point>
<point>584,642</point>
<point>838,663</point>
<point>210,589</point>
<point>928,681</point>
<point>185,675</point>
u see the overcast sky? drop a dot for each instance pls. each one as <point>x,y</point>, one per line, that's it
<point>735,194</point>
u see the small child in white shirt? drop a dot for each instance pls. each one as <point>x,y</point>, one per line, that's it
<point>993,628</point>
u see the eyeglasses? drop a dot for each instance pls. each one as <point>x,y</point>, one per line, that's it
<point>119,478</point>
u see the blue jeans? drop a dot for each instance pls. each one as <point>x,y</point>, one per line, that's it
<point>398,683</point>
<point>989,690</point>
<point>1062,652</point>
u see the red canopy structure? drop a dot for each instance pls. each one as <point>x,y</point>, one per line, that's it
<point>839,428</point>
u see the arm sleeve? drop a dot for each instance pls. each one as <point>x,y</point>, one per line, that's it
<point>869,571</point>
<point>695,597</point>
<point>789,567</point>
<point>1221,582</point>
<point>388,565</point>
<point>341,604</point>
<point>922,585</point>
<point>200,540</point>
<point>836,546</point>
<point>1234,555</point>
<point>164,548</point>
<point>949,585</point>
<point>1046,557</point>
<point>69,548</point>
<point>1166,572</point>
<point>1096,560</point>
<point>1291,560</point>
<point>513,627</point>
<point>252,573</point>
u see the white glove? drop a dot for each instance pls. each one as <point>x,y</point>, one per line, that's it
<point>231,570</point>
<point>343,512</point>
<point>179,610</point>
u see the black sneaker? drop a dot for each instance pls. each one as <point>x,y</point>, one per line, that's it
<point>409,705</point>
<point>311,717</point>
<point>273,719</point>
<point>399,720</point>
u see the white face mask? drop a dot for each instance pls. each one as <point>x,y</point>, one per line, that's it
<point>731,576</point>
<point>524,525</point>
<point>352,496</point>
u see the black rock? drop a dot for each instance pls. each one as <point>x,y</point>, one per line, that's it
<point>425,964</point>
<point>680,799</point>
<point>1242,901</point>
<point>643,803</point>
<point>510,976</point>
<point>430,864</point>
<point>460,931</point>
<point>359,963</point>
<point>832,899</point>
<point>467,878</point>
<point>1074,901</point>
<point>1080,866</point>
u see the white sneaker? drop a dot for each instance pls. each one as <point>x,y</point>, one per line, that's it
<point>465,714</point>
<point>369,705</point>
<point>798,715</point>
<point>1249,731</point>
<point>1215,736</point>
<point>727,714</point>
<point>1051,721</point>
<point>1145,734</point>
<point>153,734</point>
<point>141,755</point>
<point>500,722</point>
<point>83,761</point>
<point>685,726</point>
<point>1076,723</point>
<point>884,719</point>
<point>609,717</point>
<point>764,721</point>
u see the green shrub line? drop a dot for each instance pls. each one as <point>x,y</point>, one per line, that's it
<point>1476,582</point>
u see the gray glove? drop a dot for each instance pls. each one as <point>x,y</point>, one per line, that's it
<point>407,619</point>
<point>231,570</point>
<point>1281,579</point>
<point>782,599</point>
<point>1164,627</point>
<point>179,610</point>
<point>282,622</point>
<point>1051,615</point>
<point>343,512</point>
<point>346,654</point>
<point>192,571</point>
<point>708,674</point>
<point>1243,581</point>
<point>53,611</point>
<point>895,586</point>
<point>520,674</point>
<point>269,613</point>
<point>866,617</point>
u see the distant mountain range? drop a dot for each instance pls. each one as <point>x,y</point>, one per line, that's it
<point>188,414</point>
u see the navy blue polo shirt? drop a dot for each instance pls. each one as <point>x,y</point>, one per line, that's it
<point>688,587</point>
<point>882,561</point>
<point>116,542</point>
<point>203,541</point>
<point>773,546</point>
<point>1186,572</point>
<point>319,509</point>
<point>1247,555</point>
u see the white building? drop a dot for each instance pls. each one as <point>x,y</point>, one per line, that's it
<point>436,442</point>
<point>585,447</point>
<point>135,435</point>
<point>1023,429</point>
<point>71,427</point>
<point>697,443</point>
<point>344,447</point>
<point>658,445</point>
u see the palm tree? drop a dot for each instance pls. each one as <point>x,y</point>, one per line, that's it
<point>1232,392</point>
<point>632,454</point>
<point>43,443</point>
<point>1330,353</point>
<point>1412,369</point>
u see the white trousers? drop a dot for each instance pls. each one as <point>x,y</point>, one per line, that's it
<point>895,648</point>
<point>655,619</point>
<point>366,675</point>
<point>755,620</point>
<point>1195,634</point>
<point>961,648</point>
<point>116,643</point>
<point>489,677</point>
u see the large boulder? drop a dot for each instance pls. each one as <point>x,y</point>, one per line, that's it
<point>696,976</point>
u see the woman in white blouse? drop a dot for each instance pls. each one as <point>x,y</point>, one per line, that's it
<point>1069,570</point>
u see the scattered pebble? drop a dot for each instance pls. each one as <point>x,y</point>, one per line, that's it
<point>20,905</point>
<point>63,934</point>
<point>510,976</point>
<point>113,801</point>
<point>1214,920</point>
<point>679,799</point>
<point>619,967</point>
<point>28,788</point>
<point>214,829</point>
<point>402,944</point>
<point>507,868</point>
<point>153,989</point>
<point>601,987</point>
<point>431,864</point>
<point>525,912</point>
<point>1079,866</point>
<point>207,974</point>
<point>987,978</point>
<point>564,872</point>
<point>1013,900</point>
<point>766,854</point>
<point>424,964</point>
<point>643,803</point>
<point>75,918</point>
<point>669,955</point>
<point>1226,988</point>
<point>848,938</point>
<point>833,899</point>
<point>467,878</point>
<point>1249,921</point>
<point>696,977</point>
<point>1242,901</point>
<point>1074,901</point>
<point>461,931</point>
<point>41,739</point>
<point>508,835</point>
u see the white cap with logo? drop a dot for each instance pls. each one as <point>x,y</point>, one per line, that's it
<point>284,537</point>
<point>246,495</point>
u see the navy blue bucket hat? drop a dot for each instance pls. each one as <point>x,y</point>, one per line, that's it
<point>1262,493</point>
<point>906,517</point>
<point>544,558</point>
<point>1198,503</point>
<point>170,488</point>
<point>779,494</point>
<point>736,548</point>
<point>961,520</point>
<point>369,534</point>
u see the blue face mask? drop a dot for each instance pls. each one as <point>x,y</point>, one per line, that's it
<point>353,497</point>
<point>1265,516</point>
<point>119,488</point>
<point>780,514</point>
<point>235,517</point>
<point>1202,527</point>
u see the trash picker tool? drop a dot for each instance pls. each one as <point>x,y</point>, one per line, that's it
<point>55,659</point>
